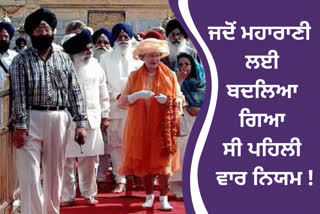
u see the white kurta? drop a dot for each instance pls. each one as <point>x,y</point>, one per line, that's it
<point>93,84</point>
<point>117,68</point>
<point>6,59</point>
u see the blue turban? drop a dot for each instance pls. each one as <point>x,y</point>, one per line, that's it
<point>8,27</point>
<point>116,30</point>
<point>34,19</point>
<point>98,33</point>
<point>78,43</point>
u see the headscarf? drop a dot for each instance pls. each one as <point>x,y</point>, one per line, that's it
<point>116,30</point>
<point>98,33</point>
<point>193,87</point>
<point>8,27</point>
<point>151,45</point>
<point>173,24</point>
<point>35,18</point>
<point>77,42</point>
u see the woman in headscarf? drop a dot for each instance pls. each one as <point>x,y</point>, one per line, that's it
<point>191,77</point>
<point>149,142</point>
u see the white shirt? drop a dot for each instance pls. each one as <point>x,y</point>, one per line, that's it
<point>92,81</point>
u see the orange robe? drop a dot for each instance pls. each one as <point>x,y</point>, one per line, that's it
<point>143,133</point>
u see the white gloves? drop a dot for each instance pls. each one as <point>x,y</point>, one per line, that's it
<point>161,98</point>
<point>143,94</point>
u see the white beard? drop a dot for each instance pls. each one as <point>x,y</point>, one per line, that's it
<point>80,60</point>
<point>122,49</point>
<point>86,70</point>
<point>175,49</point>
<point>98,52</point>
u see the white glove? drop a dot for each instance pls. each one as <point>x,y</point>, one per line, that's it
<point>161,98</point>
<point>143,94</point>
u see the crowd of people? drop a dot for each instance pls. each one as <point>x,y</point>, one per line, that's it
<point>119,97</point>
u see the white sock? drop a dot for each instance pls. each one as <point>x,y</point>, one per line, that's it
<point>165,203</point>
<point>149,201</point>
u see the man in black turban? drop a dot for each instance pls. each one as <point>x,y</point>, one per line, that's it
<point>177,39</point>
<point>35,18</point>
<point>92,77</point>
<point>40,25</point>
<point>77,43</point>
<point>44,85</point>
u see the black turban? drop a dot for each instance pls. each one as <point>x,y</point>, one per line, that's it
<point>116,30</point>
<point>34,19</point>
<point>8,27</point>
<point>19,40</point>
<point>78,43</point>
<point>173,24</point>
<point>98,33</point>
